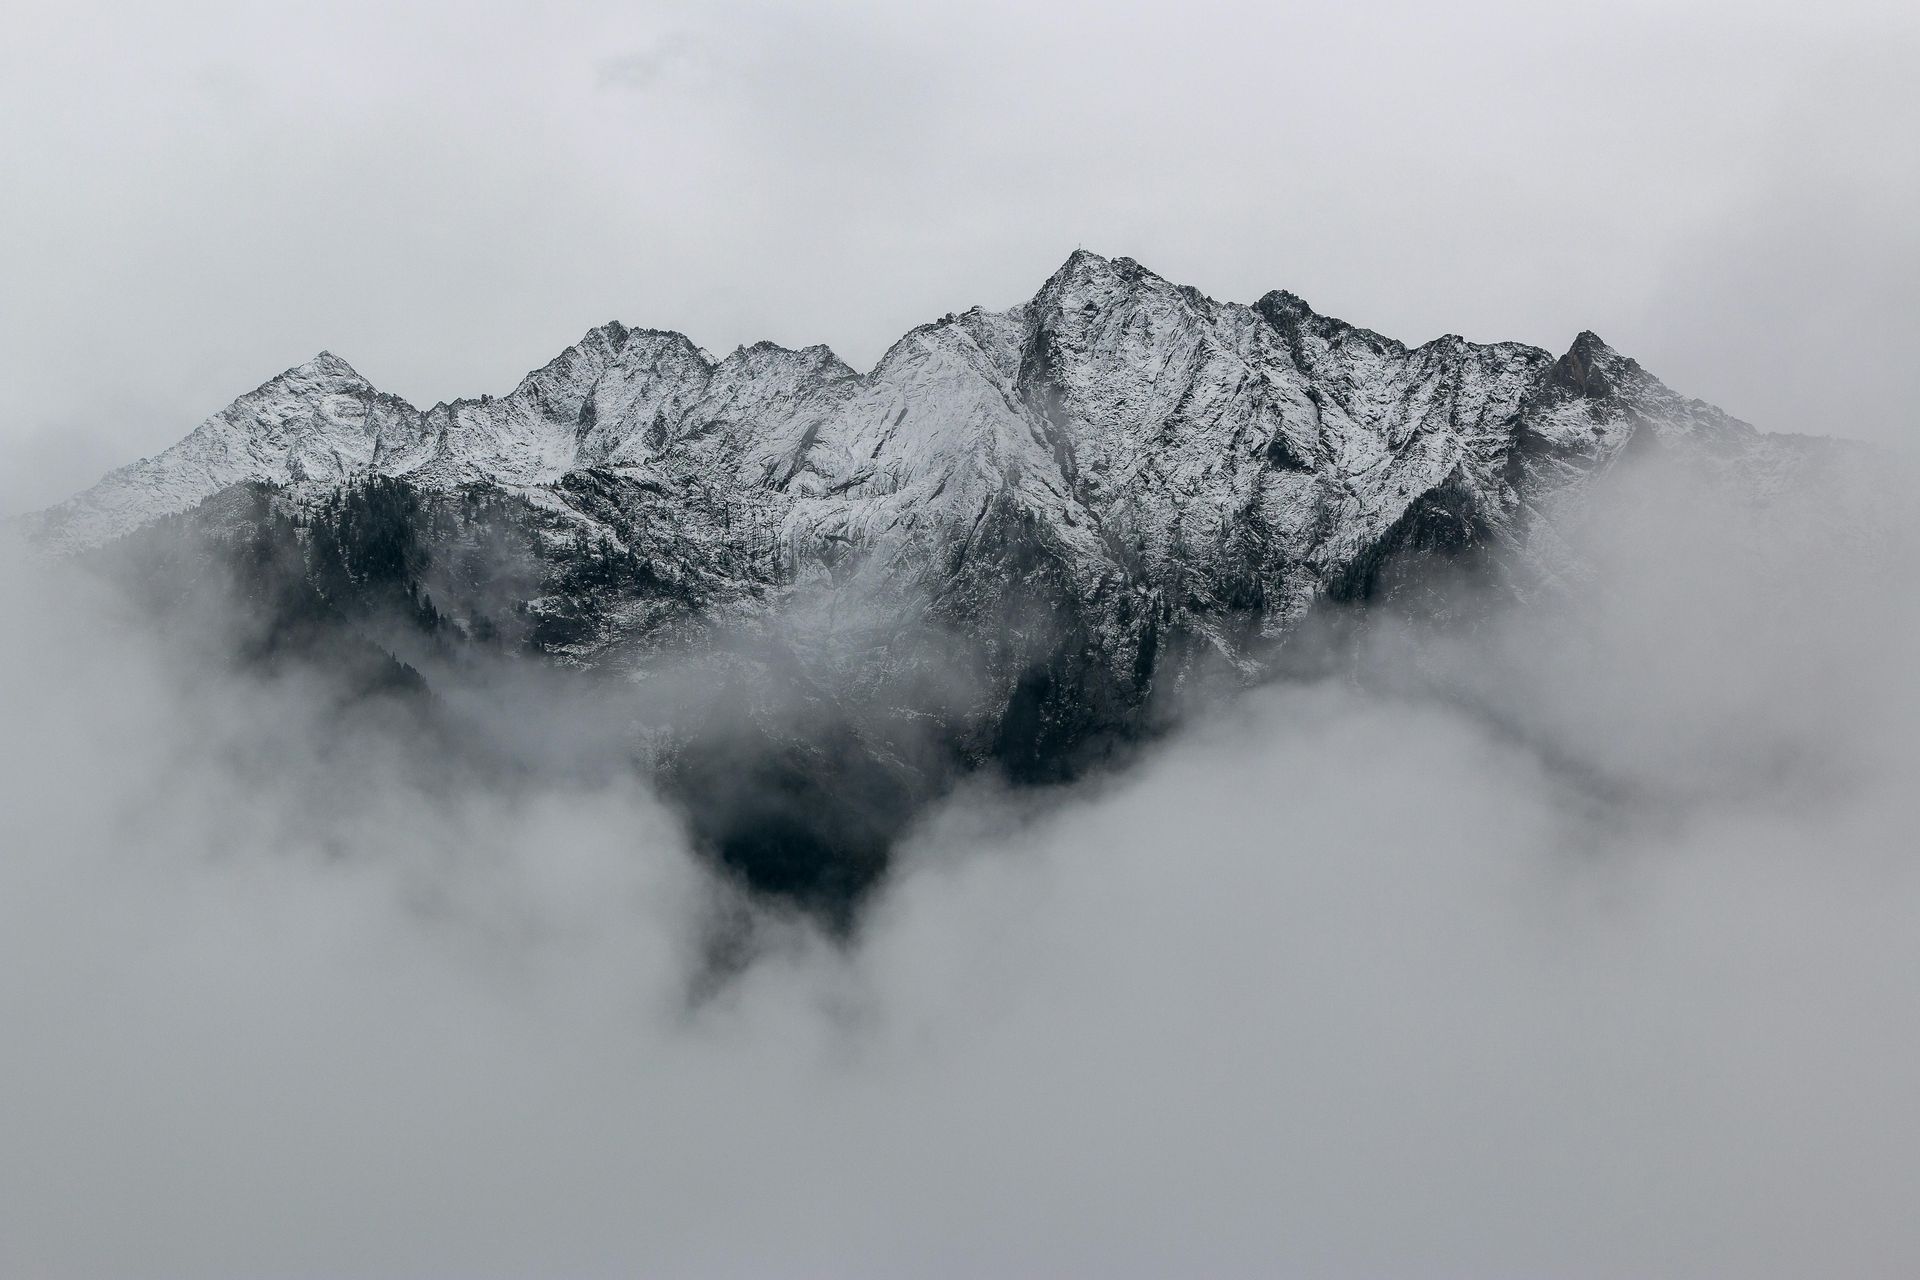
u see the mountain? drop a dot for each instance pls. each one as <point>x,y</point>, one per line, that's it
<point>1010,544</point>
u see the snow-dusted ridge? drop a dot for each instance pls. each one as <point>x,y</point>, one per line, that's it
<point>1149,429</point>
<point>1144,354</point>
<point>1002,544</point>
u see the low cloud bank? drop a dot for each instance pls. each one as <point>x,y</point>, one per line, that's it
<point>1582,942</point>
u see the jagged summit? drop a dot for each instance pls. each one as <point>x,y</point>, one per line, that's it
<point>1583,369</point>
<point>1079,264</point>
<point>1086,275</point>
<point>1284,302</point>
<point>325,364</point>
<point>1003,544</point>
<point>1110,381</point>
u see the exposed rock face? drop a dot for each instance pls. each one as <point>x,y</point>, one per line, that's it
<point>1001,544</point>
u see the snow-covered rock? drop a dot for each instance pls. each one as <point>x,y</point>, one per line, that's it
<point>1003,543</point>
<point>1140,437</point>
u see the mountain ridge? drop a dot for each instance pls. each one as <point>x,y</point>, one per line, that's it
<point>1017,542</point>
<point>452,432</point>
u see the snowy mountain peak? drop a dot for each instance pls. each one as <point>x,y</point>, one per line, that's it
<point>1590,367</point>
<point>1005,542</point>
<point>1115,404</point>
<point>1086,279</point>
<point>325,366</point>
<point>1080,262</point>
<point>1284,302</point>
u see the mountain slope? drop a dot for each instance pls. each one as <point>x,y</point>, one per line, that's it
<point>1007,544</point>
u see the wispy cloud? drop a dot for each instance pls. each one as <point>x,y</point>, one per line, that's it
<point>674,59</point>
<point>1350,980</point>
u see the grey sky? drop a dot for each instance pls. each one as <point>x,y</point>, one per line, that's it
<point>1343,982</point>
<point>201,194</point>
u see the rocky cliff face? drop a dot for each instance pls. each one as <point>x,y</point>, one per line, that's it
<point>1004,545</point>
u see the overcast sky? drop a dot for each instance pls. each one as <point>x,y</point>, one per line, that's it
<point>202,194</point>
<point>1593,950</point>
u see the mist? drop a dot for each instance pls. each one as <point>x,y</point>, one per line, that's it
<point>210,192</point>
<point>1579,939</point>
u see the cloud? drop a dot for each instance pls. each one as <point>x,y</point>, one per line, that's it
<point>673,55</point>
<point>1581,944</point>
<point>1813,237</point>
<point>449,196</point>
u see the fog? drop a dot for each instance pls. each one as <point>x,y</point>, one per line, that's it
<point>1582,942</point>
<point>207,192</point>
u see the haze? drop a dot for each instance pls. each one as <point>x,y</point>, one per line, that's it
<point>1585,942</point>
<point>201,195</point>
<point>1581,938</point>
